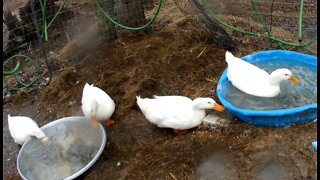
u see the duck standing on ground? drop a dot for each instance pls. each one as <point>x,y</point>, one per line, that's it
<point>22,127</point>
<point>97,105</point>
<point>177,112</point>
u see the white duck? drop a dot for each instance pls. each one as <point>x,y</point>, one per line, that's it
<point>253,80</point>
<point>177,112</point>
<point>97,105</point>
<point>22,127</point>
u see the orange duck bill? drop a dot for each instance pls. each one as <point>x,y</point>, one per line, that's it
<point>218,107</point>
<point>294,79</point>
<point>94,122</point>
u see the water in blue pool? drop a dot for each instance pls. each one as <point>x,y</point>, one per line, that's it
<point>292,95</point>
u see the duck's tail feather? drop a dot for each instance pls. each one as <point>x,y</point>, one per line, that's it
<point>228,56</point>
<point>155,96</point>
<point>142,103</point>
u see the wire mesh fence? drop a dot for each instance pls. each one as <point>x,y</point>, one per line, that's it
<point>286,24</point>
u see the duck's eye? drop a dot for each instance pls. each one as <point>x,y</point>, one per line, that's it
<point>209,102</point>
<point>286,74</point>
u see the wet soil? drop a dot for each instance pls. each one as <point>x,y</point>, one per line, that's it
<point>166,62</point>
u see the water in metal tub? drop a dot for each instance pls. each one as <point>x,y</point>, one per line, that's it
<point>71,146</point>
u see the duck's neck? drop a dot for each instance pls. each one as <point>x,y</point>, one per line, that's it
<point>198,111</point>
<point>94,107</point>
<point>274,80</point>
<point>197,105</point>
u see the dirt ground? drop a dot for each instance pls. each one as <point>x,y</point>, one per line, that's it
<point>166,62</point>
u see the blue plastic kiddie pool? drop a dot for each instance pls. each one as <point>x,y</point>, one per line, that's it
<point>279,117</point>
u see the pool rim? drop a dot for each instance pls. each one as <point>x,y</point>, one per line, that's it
<point>308,59</point>
<point>72,119</point>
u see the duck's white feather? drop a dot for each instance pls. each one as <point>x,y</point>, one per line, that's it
<point>251,79</point>
<point>106,105</point>
<point>175,112</point>
<point>22,127</point>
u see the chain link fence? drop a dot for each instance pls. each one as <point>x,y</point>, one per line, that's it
<point>258,24</point>
<point>272,24</point>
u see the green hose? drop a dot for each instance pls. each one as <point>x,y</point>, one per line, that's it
<point>17,68</point>
<point>300,21</point>
<point>126,27</point>
<point>58,12</point>
<point>255,9</point>
<point>43,6</point>
<point>45,27</point>
<point>13,71</point>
